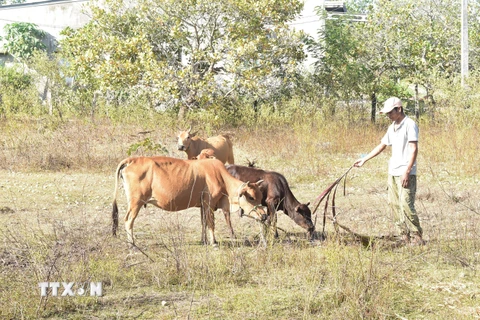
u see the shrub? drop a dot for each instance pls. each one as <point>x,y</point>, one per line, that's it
<point>17,93</point>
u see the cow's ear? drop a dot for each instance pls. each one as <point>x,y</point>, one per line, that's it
<point>307,204</point>
<point>242,187</point>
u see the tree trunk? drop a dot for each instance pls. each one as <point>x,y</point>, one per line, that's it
<point>47,96</point>
<point>181,112</point>
<point>417,111</point>
<point>374,107</point>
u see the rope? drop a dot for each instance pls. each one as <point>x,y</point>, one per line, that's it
<point>326,193</point>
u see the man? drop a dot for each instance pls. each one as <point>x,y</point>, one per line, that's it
<point>402,136</point>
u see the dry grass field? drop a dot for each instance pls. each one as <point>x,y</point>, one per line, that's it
<point>56,188</point>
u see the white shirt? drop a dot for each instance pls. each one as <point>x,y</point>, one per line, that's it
<point>398,137</point>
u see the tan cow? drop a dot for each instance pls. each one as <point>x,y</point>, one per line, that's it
<point>221,145</point>
<point>175,184</point>
<point>205,154</point>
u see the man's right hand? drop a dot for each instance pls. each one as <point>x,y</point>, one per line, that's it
<point>359,162</point>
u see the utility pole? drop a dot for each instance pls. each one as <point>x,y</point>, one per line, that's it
<point>464,47</point>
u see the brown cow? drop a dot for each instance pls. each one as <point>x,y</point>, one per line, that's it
<point>276,196</point>
<point>221,145</point>
<point>175,184</point>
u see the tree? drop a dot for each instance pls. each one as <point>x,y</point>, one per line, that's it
<point>401,42</point>
<point>22,39</point>
<point>187,54</point>
<point>338,54</point>
<point>422,45</point>
<point>345,67</point>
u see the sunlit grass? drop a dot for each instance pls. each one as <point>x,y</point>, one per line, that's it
<point>55,203</point>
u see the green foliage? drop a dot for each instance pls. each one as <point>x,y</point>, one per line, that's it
<point>17,93</point>
<point>414,43</point>
<point>222,60</point>
<point>188,54</point>
<point>147,146</point>
<point>423,41</point>
<point>23,39</point>
<point>50,76</point>
<point>338,67</point>
<point>455,104</point>
<point>359,6</point>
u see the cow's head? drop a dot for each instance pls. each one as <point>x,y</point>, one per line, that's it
<point>184,139</point>
<point>250,199</point>
<point>303,217</point>
<point>206,154</point>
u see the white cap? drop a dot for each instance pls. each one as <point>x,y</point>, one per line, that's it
<point>390,104</point>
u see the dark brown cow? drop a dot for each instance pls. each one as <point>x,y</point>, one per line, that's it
<point>276,196</point>
<point>221,145</point>
<point>175,184</point>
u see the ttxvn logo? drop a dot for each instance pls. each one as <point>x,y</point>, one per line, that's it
<point>70,289</point>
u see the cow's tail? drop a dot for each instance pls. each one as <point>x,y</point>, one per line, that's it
<point>115,194</point>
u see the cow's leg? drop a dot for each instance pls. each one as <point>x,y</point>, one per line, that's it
<point>203,221</point>
<point>229,223</point>
<point>132,212</point>
<point>210,219</point>
<point>272,216</point>
<point>274,223</point>
<point>204,212</point>
<point>266,233</point>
